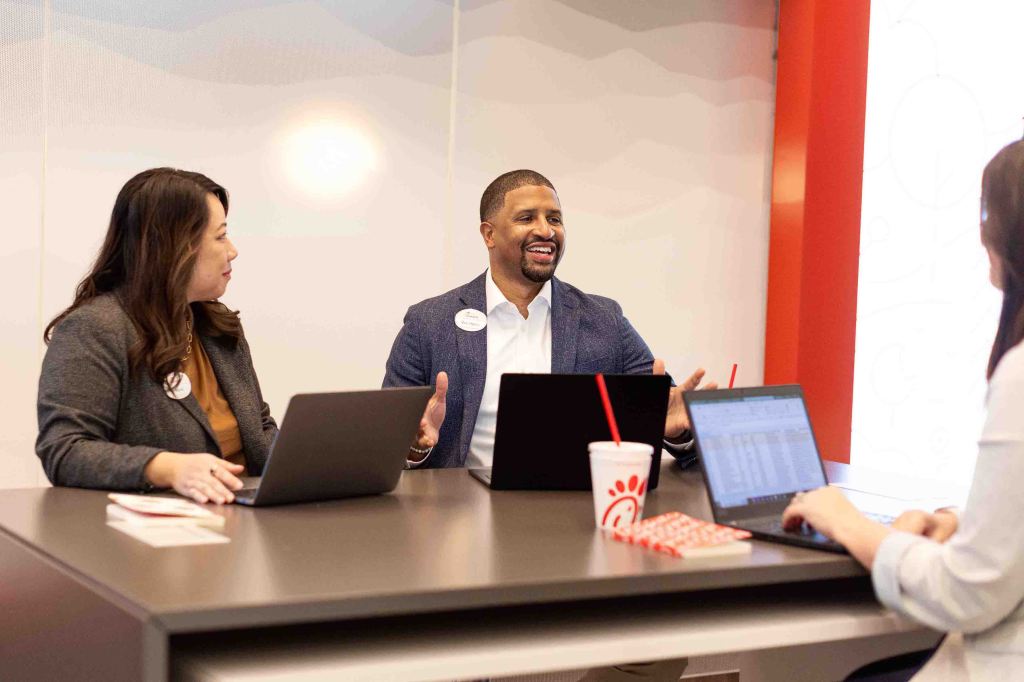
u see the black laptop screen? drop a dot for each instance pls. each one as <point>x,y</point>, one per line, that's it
<point>756,449</point>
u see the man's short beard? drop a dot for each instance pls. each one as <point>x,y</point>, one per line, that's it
<point>534,276</point>
<point>538,277</point>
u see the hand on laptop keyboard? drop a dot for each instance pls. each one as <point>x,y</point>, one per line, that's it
<point>775,526</point>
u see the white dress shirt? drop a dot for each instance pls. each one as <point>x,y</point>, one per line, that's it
<point>973,585</point>
<point>514,344</point>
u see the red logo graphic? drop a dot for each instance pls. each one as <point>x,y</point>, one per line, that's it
<point>625,506</point>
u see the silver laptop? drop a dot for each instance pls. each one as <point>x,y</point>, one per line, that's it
<point>757,449</point>
<point>335,445</point>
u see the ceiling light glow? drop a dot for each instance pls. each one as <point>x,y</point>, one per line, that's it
<point>328,158</point>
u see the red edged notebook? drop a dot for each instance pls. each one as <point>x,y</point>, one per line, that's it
<point>680,535</point>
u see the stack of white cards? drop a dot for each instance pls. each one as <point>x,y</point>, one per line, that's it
<point>164,521</point>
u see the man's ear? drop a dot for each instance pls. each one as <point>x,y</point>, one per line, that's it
<point>487,232</point>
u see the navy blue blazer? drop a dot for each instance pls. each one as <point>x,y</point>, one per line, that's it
<point>589,334</point>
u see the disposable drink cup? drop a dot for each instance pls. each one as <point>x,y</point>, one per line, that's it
<point>619,473</point>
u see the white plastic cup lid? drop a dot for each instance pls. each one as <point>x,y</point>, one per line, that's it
<point>627,450</point>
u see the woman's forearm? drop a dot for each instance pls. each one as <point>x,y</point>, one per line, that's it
<point>862,537</point>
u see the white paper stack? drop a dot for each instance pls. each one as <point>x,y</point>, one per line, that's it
<point>164,521</point>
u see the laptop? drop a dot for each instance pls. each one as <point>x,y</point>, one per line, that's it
<point>335,445</point>
<point>757,449</point>
<point>545,422</point>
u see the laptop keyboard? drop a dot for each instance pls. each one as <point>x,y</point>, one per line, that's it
<point>774,527</point>
<point>804,535</point>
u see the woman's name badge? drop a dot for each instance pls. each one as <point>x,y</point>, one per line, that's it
<point>470,320</point>
<point>180,391</point>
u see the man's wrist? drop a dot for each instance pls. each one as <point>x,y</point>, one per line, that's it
<point>683,443</point>
<point>418,454</point>
<point>682,438</point>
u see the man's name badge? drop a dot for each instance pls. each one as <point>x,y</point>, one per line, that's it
<point>180,391</point>
<point>470,320</point>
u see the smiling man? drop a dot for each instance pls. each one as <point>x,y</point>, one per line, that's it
<point>518,317</point>
<point>515,317</point>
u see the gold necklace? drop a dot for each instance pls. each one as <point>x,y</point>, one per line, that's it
<point>188,350</point>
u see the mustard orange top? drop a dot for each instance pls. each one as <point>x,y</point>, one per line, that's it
<point>215,405</point>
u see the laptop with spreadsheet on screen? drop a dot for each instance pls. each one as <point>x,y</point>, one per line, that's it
<point>757,449</point>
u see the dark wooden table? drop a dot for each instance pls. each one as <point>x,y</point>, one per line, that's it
<point>81,600</point>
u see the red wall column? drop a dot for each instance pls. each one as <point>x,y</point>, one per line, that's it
<point>816,199</point>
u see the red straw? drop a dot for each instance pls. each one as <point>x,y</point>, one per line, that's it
<point>733,377</point>
<point>608,409</point>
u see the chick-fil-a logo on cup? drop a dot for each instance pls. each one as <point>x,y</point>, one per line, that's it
<point>619,474</point>
<point>625,505</point>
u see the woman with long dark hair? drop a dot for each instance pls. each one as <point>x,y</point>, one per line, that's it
<point>148,381</point>
<point>963,574</point>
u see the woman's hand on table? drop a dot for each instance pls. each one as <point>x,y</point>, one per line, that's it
<point>200,476</point>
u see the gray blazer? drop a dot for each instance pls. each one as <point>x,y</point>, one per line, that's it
<point>99,425</point>
<point>589,334</point>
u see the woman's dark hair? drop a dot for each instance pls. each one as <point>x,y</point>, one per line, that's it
<point>1002,231</point>
<point>147,260</point>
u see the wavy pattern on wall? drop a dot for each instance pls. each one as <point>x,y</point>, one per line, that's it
<point>655,125</point>
<point>654,120</point>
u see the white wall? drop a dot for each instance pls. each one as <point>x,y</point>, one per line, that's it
<point>21,231</point>
<point>943,95</point>
<point>355,167</point>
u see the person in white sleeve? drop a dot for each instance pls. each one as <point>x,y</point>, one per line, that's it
<point>963,573</point>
